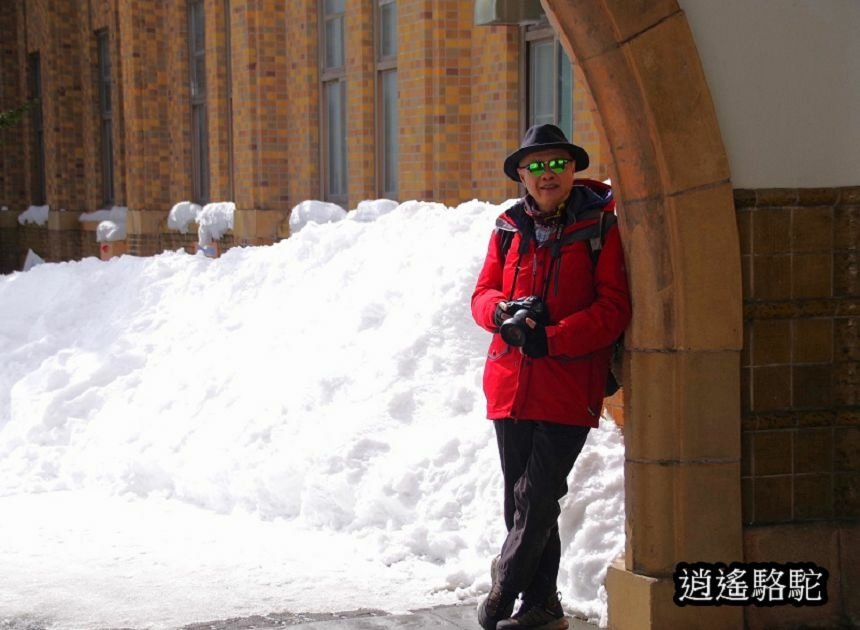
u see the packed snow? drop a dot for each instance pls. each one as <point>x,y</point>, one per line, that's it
<point>36,215</point>
<point>112,223</point>
<point>298,427</point>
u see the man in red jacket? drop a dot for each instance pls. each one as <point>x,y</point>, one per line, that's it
<point>554,308</point>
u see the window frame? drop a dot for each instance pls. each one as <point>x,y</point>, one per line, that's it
<point>105,88</point>
<point>386,65</point>
<point>532,34</point>
<point>39,180</point>
<point>200,184</point>
<point>332,76</point>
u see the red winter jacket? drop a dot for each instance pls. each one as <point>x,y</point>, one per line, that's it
<point>588,309</point>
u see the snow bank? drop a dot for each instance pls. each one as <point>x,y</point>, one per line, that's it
<point>294,427</point>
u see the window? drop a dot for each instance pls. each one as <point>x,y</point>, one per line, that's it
<point>388,148</point>
<point>333,101</point>
<point>549,80</point>
<point>39,194</point>
<point>199,127</point>
<point>105,116</point>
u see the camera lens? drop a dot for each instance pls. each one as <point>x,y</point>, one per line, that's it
<point>513,330</point>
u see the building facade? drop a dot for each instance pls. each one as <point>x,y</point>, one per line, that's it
<point>266,104</point>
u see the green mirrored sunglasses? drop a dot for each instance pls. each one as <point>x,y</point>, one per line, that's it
<point>538,167</point>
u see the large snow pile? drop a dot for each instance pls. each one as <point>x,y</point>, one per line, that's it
<point>296,427</point>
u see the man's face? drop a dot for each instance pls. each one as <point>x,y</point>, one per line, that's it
<point>547,188</point>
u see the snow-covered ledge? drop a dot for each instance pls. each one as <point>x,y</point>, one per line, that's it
<point>110,229</point>
<point>213,221</point>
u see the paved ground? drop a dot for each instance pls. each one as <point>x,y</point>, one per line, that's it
<point>441,618</point>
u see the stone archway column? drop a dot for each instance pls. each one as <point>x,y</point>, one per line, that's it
<point>682,390</point>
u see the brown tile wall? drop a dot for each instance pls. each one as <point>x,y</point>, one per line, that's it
<point>801,358</point>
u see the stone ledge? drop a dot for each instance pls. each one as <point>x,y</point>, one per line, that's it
<point>64,220</point>
<point>795,309</point>
<point>748,198</point>
<point>9,220</point>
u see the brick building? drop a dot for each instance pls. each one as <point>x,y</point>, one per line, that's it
<point>144,104</point>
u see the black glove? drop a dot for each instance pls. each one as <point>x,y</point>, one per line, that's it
<point>536,344</point>
<point>500,314</point>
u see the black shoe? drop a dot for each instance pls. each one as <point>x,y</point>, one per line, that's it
<point>545,615</point>
<point>498,604</point>
<point>494,569</point>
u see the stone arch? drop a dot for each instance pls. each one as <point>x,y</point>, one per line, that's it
<point>677,218</point>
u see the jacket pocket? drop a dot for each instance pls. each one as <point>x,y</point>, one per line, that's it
<point>498,348</point>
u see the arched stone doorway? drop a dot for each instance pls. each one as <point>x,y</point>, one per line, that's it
<point>682,418</point>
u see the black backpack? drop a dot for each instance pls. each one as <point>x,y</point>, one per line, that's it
<point>594,235</point>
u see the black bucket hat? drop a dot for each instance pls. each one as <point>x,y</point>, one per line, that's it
<point>542,137</point>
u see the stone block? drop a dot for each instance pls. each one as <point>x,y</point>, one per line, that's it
<point>690,409</point>
<point>256,226</point>
<point>628,132</point>
<point>679,108</point>
<point>647,245</point>
<point>641,602</point>
<point>650,501</point>
<point>632,17</point>
<point>146,222</point>
<point>706,263</point>
<point>707,513</point>
<point>63,220</point>
<point>9,220</point>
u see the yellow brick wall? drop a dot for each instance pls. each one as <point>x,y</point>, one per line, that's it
<point>361,101</point>
<point>302,101</point>
<point>587,128</point>
<point>260,78</point>
<point>460,107</point>
<point>144,88</point>
<point>495,109</point>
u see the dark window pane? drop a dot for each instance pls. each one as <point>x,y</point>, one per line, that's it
<point>199,125</point>
<point>334,6</point>
<point>38,192</point>
<point>334,43</point>
<point>196,27</point>
<point>390,144</point>
<point>541,83</point>
<point>388,30</point>
<point>104,73</point>
<point>335,94</point>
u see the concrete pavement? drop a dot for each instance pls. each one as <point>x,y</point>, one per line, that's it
<point>461,617</point>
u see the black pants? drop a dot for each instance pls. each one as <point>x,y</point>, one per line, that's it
<point>536,459</point>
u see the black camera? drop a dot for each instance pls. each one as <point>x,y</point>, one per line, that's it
<point>514,330</point>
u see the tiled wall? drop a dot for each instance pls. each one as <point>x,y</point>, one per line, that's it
<point>460,105</point>
<point>801,358</point>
